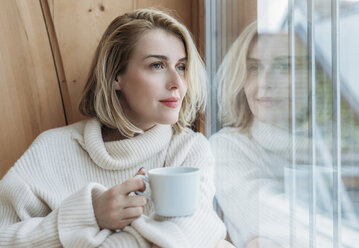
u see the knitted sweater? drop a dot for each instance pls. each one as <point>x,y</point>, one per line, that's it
<point>254,183</point>
<point>46,197</point>
<point>249,178</point>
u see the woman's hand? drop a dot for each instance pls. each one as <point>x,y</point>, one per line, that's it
<point>115,209</point>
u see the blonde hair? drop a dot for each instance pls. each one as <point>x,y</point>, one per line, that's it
<point>233,108</point>
<point>111,58</point>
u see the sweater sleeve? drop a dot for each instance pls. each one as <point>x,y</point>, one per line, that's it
<point>128,237</point>
<point>203,228</point>
<point>27,221</point>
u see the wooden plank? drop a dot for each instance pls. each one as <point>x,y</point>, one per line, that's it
<point>198,25</point>
<point>180,9</point>
<point>47,11</point>
<point>79,26</point>
<point>50,5</point>
<point>30,100</point>
<point>198,31</point>
<point>247,13</point>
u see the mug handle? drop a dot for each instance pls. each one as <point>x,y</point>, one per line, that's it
<point>147,181</point>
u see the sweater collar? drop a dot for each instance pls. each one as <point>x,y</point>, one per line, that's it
<point>276,139</point>
<point>126,153</point>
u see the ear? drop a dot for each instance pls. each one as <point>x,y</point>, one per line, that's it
<point>117,83</point>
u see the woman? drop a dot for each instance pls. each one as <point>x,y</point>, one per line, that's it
<point>253,148</point>
<point>73,186</point>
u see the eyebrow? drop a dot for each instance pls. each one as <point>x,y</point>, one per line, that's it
<point>280,58</point>
<point>163,57</point>
<point>253,59</point>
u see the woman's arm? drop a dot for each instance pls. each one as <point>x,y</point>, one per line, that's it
<point>26,220</point>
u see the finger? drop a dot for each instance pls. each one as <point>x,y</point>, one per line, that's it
<point>141,171</point>
<point>135,201</point>
<point>142,189</point>
<point>133,212</point>
<point>130,185</point>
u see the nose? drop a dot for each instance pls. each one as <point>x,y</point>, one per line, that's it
<point>264,78</point>
<point>174,80</point>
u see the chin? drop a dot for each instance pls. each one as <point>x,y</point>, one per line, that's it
<point>169,121</point>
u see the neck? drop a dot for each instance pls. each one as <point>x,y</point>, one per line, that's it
<point>109,134</point>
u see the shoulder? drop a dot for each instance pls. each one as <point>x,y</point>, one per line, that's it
<point>51,149</point>
<point>229,136</point>
<point>51,144</point>
<point>229,144</point>
<point>60,133</point>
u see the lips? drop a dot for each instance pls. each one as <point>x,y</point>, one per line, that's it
<point>270,101</point>
<point>171,102</point>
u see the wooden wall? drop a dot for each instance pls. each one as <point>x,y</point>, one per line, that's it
<point>46,47</point>
<point>30,96</point>
<point>232,17</point>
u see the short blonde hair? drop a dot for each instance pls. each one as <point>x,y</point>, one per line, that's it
<point>111,58</point>
<point>233,108</point>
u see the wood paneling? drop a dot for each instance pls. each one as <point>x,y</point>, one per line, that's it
<point>180,9</point>
<point>30,98</point>
<point>232,17</point>
<point>79,26</point>
<point>47,11</point>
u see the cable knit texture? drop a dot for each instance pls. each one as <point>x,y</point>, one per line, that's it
<point>249,179</point>
<point>46,197</point>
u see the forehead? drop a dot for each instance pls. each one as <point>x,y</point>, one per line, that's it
<point>267,47</point>
<point>270,46</point>
<point>159,42</point>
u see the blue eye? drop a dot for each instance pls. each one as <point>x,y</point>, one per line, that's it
<point>181,67</point>
<point>282,67</point>
<point>157,66</point>
<point>254,68</point>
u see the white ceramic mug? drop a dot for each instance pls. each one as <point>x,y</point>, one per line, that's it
<point>174,190</point>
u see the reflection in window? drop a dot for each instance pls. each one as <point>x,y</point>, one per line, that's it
<point>274,142</point>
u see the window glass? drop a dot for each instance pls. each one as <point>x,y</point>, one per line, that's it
<point>283,120</point>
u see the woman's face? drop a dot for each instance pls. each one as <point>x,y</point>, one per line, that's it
<point>153,86</point>
<point>268,77</point>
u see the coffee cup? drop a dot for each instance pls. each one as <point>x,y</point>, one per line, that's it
<point>174,190</point>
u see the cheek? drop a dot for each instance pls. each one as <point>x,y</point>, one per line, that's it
<point>140,89</point>
<point>184,90</point>
<point>250,89</point>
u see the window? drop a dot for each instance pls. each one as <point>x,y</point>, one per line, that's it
<point>283,120</point>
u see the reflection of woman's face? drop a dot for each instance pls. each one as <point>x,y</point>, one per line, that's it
<point>267,86</point>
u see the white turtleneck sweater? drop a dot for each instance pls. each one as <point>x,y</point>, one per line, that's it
<point>249,178</point>
<point>253,178</point>
<point>46,197</point>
